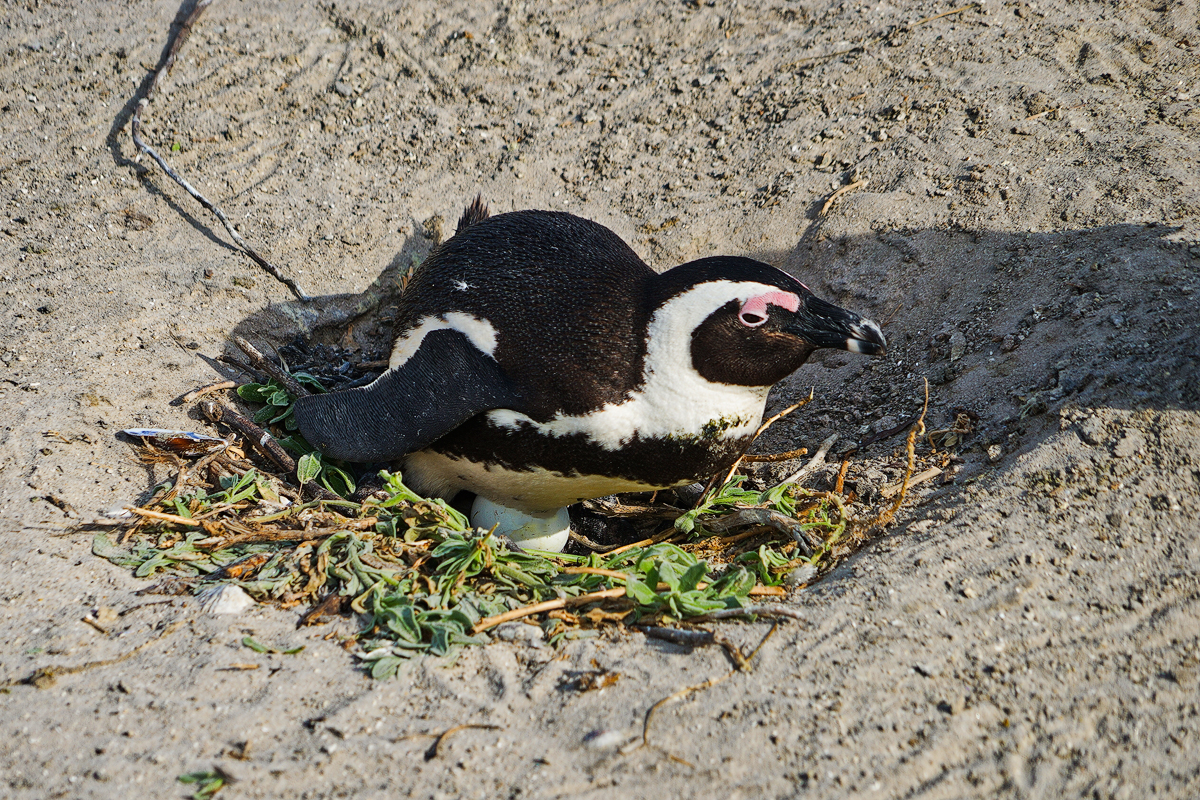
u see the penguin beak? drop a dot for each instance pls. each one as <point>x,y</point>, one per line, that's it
<point>826,325</point>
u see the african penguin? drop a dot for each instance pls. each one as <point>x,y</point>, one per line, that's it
<point>539,362</point>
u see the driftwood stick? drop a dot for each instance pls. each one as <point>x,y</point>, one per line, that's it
<point>181,36</point>
<point>817,460</point>
<point>280,376</point>
<point>264,443</point>
<point>764,516</point>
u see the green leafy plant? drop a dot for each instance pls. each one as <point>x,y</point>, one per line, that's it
<point>207,783</point>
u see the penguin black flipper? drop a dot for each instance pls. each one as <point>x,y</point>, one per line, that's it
<point>443,384</point>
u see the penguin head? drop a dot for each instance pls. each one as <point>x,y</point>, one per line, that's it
<point>752,324</point>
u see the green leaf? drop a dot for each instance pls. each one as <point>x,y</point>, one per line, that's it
<point>386,667</point>
<point>640,593</point>
<point>208,783</point>
<point>255,645</point>
<point>104,547</point>
<point>693,576</point>
<point>256,392</point>
<point>308,467</point>
<point>337,480</point>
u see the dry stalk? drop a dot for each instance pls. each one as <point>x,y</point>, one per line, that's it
<point>833,197</point>
<point>181,36</point>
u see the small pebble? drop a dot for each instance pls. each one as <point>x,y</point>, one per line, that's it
<point>225,600</point>
<point>801,574</point>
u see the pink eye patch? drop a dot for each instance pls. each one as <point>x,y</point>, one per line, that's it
<point>754,310</point>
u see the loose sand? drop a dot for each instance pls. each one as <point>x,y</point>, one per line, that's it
<point>1028,232</point>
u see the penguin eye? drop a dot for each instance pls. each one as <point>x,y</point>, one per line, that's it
<point>752,319</point>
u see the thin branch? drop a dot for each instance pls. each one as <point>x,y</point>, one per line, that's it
<point>263,442</point>
<point>181,36</point>
<point>833,197</point>
<point>749,611</point>
<point>203,390</point>
<point>951,12</point>
<point>817,460</point>
<point>549,605</point>
<point>764,516</point>
<point>281,376</point>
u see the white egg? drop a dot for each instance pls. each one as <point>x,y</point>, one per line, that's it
<point>539,531</point>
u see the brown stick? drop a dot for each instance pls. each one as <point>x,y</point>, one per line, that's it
<point>433,751</point>
<point>181,36</point>
<point>44,677</point>
<point>749,611</point>
<point>549,605</point>
<point>774,457</point>
<point>764,516</point>
<point>951,12</point>
<point>203,390</point>
<point>280,376</point>
<point>158,515</point>
<point>889,492</point>
<point>833,197</point>
<point>263,442</point>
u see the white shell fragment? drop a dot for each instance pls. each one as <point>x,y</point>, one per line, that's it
<point>225,599</point>
<point>539,531</point>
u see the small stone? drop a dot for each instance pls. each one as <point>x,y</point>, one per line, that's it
<point>1009,344</point>
<point>1091,430</point>
<point>1131,443</point>
<point>225,600</point>
<point>969,592</point>
<point>995,453</point>
<point>801,574</point>
<point>343,89</point>
<point>519,632</point>
<point>1117,321</point>
<point>958,344</point>
<point>603,738</point>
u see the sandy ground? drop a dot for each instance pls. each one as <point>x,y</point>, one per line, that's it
<point>1028,231</point>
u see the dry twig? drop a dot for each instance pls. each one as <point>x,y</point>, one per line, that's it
<point>181,36</point>
<point>280,376</point>
<point>833,197</point>
<point>949,13</point>
<point>549,605</point>
<point>817,460</point>
<point>45,677</point>
<point>195,394</point>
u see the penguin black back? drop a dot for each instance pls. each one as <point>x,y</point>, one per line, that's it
<point>557,289</point>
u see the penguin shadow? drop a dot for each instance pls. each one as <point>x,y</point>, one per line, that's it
<point>1021,335</point>
<point>353,321</point>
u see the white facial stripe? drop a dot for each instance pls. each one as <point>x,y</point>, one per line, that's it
<point>675,400</point>
<point>479,332</point>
